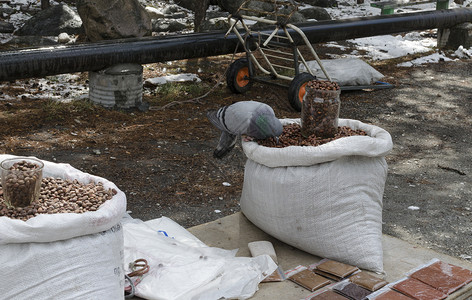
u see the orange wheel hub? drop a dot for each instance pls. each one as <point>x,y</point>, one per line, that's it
<point>242,78</point>
<point>302,91</point>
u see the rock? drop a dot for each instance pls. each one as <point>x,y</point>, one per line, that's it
<point>216,14</point>
<point>215,24</point>
<point>63,38</point>
<point>199,7</point>
<point>321,3</point>
<point>172,9</point>
<point>230,6</point>
<point>52,21</point>
<point>7,11</point>
<point>295,18</point>
<point>29,9</point>
<point>167,25</point>
<point>178,15</point>
<point>259,8</point>
<point>143,106</point>
<point>32,41</point>
<point>187,4</point>
<point>6,27</point>
<point>104,20</point>
<point>460,35</point>
<point>154,13</point>
<point>317,13</point>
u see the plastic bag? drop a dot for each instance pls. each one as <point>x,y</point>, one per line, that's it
<point>185,268</point>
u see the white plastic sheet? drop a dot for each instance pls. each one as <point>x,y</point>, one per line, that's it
<point>182,267</point>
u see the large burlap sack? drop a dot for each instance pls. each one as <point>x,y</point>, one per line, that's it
<point>325,200</point>
<point>64,256</point>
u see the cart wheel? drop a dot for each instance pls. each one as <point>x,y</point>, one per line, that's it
<point>296,90</point>
<point>237,79</point>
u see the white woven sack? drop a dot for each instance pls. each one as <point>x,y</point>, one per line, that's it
<point>325,200</point>
<point>345,71</point>
<point>64,256</point>
<point>88,267</point>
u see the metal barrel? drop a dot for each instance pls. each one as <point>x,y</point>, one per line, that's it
<point>119,86</point>
<point>44,61</point>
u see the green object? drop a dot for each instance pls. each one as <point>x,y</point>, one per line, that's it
<point>387,7</point>
<point>441,4</point>
<point>387,11</point>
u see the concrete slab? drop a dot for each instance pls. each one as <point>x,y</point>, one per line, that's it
<point>235,232</point>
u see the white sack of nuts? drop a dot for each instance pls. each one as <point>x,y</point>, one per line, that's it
<point>325,200</point>
<point>54,227</point>
<point>64,255</point>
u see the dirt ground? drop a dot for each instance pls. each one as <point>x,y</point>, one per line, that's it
<point>162,158</point>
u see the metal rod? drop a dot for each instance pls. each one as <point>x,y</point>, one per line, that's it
<point>305,39</point>
<point>270,81</point>
<point>309,70</point>
<point>278,52</point>
<point>278,57</point>
<point>277,36</point>
<point>44,61</point>
<point>278,44</point>
<point>283,67</point>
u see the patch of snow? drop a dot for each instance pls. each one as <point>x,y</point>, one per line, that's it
<point>413,207</point>
<point>173,78</point>
<point>335,45</point>
<point>155,10</point>
<point>64,88</point>
<point>393,46</point>
<point>22,2</point>
<point>388,46</point>
<point>18,19</point>
<point>350,9</point>
<point>461,52</point>
<point>5,38</point>
<point>433,58</point>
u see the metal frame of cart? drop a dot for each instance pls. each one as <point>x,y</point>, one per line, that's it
<point>273,51</point>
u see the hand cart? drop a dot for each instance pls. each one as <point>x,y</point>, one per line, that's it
<point>271,50</point>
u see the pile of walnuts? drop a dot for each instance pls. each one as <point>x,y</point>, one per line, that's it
<point>61,196</point>
<point>291,136</point>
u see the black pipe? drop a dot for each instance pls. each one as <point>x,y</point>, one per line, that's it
<point>44,61</point>
<point>387,24</point>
